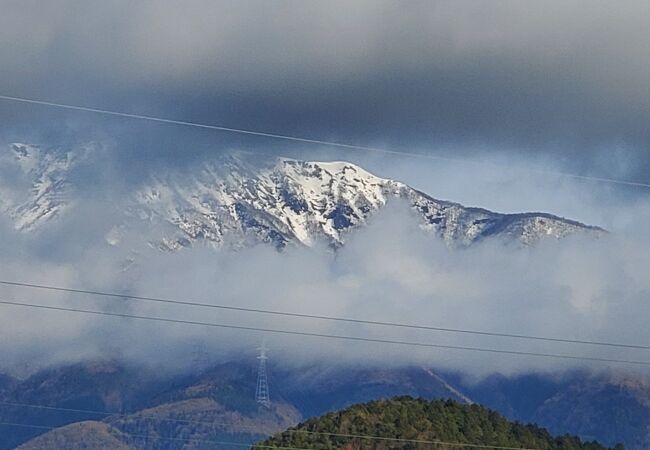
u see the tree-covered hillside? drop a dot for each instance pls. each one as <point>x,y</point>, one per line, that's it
<point>405,420</point>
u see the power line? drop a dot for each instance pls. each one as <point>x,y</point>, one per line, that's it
<point>239,444</point>
<point>163,438</point>
<point>290,431</point>
<point>322,317</point>
<point>116,414</point>
<point>308,140</point>
<point>326,336</point>
<point>414,441</point>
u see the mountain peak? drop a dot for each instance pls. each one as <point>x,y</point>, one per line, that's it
<point>237,201</point>
<point>290,202</point>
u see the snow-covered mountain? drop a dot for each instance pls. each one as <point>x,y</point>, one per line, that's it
<point>233,202</point>
<point>34,184</point>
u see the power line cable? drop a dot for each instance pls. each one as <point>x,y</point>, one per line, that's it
<point>117,414</point>
<point>163,438</point>
<point>326,336</point>
<point>351,436</point>
<point>321,317</point>
<point>291,431</point>
<point>309,141</point>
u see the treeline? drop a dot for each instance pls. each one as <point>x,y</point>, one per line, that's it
<point>409,420</point>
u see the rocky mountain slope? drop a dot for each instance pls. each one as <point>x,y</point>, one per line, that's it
<point>235,202</point>
<point>35,186</point>
<point>297,201</point>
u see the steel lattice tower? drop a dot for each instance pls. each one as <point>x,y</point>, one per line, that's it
<point>200,358</point>
<point>262,391</point>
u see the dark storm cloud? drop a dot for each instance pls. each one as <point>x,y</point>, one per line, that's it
<point>567,79</point>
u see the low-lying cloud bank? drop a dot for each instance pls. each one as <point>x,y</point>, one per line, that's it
<point>577,288</point>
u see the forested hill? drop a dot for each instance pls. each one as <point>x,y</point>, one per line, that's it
<point>410,420</point>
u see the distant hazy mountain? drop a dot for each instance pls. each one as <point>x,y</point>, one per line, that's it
<point>233,202</point>
<point>606,408</point>
<point>174,412</point>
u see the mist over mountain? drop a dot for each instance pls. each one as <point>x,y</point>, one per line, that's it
<point>445,199</point>
<point>324,238</point>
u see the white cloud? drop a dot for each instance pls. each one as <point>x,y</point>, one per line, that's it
<point>390,271</point>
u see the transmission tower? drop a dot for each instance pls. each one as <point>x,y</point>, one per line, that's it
<point>262,391</point>
<point>200,359</point>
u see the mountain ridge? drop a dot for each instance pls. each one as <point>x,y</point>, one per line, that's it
<point>589,406</point>
<point>301,201</point>
<point>232,203</point>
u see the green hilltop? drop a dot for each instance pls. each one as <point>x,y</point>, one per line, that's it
<point>406,420</point>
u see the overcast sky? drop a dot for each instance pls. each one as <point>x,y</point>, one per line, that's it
<point>552,86</point>
<point>567,80</point>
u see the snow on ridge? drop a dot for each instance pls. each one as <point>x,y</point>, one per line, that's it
<point>46,174</point>
<point>304,202</point>
<point>234,203</point>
